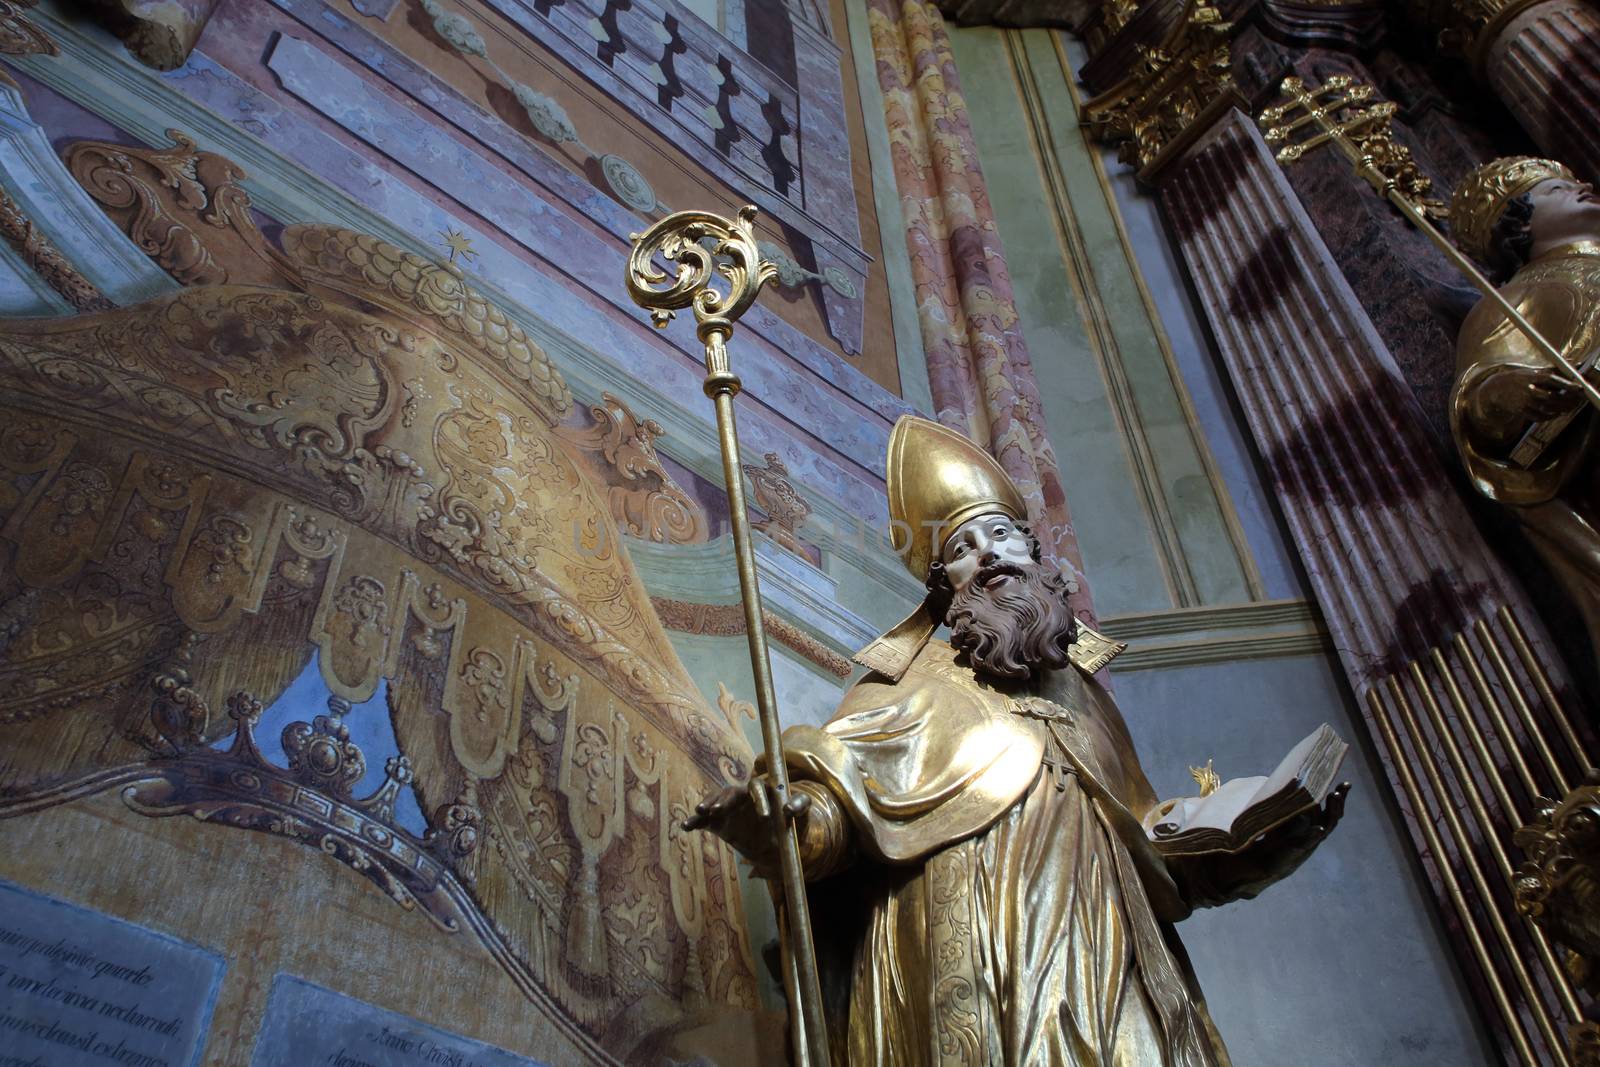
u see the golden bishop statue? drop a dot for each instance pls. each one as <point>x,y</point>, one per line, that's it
<point>992,878</point>
<point>1530,220</point>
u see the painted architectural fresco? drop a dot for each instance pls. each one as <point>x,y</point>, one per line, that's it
<point>369,617</point>
<point>367,613</point>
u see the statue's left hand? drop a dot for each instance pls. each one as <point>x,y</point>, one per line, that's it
<point>1296,839</point>
<point>1211,880</point>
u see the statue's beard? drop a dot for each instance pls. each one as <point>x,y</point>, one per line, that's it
<point>1014,627</point>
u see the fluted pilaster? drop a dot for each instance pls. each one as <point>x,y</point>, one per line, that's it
<point>1460,697</point>
<point>1544,63</point>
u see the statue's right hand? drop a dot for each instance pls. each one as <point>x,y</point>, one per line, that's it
<point>731,815</point>
<point>1550,395</point>
<point>1514,395</point>
<point>1539,393</point>
<point>715,809</point>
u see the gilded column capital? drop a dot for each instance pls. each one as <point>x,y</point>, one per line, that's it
<point>1171,88</point>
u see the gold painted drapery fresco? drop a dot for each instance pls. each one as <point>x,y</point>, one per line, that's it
<point>333,450</point>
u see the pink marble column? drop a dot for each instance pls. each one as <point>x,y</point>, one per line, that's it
<point>978,364</point>
<point>1544,63</point>
<point>1396,562</point>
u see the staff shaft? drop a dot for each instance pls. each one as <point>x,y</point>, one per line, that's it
<point>719,272</point>
<point>811,1042</point>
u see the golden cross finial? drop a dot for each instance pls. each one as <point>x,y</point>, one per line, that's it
<point>1206,778</point>
<point>459,243</point>
<point>1345,112</point>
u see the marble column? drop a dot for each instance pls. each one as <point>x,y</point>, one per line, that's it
<point>1425,617</point>
<point>979,369</point>
<point>1543,61</point>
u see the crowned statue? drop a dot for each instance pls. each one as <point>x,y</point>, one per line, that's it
<point>1521,425</point>
<point>995,880</point>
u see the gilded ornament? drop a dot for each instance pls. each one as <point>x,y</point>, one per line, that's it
<point>1168,89</point>
<point>1116,14</point>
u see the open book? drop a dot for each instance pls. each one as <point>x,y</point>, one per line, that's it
<point>1241,809</point>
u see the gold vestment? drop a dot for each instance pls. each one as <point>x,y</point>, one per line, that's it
<point>1559,294</point>
<point>1010,909</point>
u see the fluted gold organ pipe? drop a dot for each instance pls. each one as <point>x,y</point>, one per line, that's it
<point>1502,725</point>
<point>1475,736</point>
<point>1529,722</point>
<point>1541,681</point>
<point>1497,922</point>
<point>1452,885</point>
<point>1469,788</point>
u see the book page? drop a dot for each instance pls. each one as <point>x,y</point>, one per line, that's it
<point>1223,807</point>
<point>1215,812</point>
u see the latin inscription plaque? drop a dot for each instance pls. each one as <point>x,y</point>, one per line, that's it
<point>310,1026</point>
<point>79,988</point>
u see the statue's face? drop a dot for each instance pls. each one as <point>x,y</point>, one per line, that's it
<point>1564,211</point>
<point>1007,613</point>
<point>990,546</point>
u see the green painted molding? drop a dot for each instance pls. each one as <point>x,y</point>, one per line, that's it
<point>1254,614</point>
<point>1224,633</point>
<point>1221,650</point>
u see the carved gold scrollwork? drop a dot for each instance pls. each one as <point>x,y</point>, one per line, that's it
<point>1168,89</point>
<point>698,243</point>
<point>1558,887</point>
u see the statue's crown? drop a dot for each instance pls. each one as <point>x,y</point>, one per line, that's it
<point>1482,197</point>
<point>937,480</point>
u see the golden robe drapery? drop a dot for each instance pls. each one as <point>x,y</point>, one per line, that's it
<point>1555,500</point>
<point>1008,909</point>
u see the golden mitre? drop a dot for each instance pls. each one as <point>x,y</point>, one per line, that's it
<point>938,479</point>
<point>1482,197</point>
